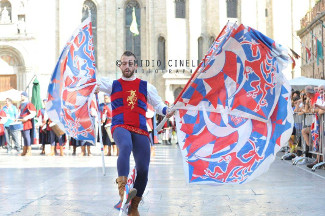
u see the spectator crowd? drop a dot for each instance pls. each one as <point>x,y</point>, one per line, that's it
<point>24,126</point>
<point>306,139</point>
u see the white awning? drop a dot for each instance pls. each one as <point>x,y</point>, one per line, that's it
<point>13,94</point>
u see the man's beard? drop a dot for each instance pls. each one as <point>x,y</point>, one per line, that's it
<point>128,73</point>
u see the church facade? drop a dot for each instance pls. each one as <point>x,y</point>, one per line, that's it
<point>169,38</point>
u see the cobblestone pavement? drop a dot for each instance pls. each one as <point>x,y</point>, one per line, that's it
<point>72,185</point>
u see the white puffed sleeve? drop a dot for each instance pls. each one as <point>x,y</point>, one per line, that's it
<point>155,100</point>
<point>105,85</point>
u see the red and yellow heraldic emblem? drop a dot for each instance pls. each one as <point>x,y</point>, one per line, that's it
<point>132,98</point>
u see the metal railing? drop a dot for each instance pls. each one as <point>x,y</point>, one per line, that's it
<point>303,122</point>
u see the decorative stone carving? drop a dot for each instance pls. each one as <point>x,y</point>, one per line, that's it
<point>5,18</point>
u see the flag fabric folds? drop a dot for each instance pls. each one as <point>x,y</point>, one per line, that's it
<point>294,54</point>
<point>314,129</point>
<point>308,55</point>
<point>319,50</point>
<point>72,85</point>
<point>234,113</point>
<point>134,24</point>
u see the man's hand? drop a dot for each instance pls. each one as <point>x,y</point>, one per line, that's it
<point>170,114</point>
<point>96,90</point>
<point>319,107</point>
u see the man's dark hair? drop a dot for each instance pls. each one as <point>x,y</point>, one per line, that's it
<point>129,53</point>
<point>296,92</point>
<point>295,99</point>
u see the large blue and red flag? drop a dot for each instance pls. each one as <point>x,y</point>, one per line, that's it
<point>314,128</point>
<point>72,85</point>
<point>234,114</point>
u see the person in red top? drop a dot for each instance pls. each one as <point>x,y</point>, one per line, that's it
<point>130,96</point>
<point>3,120</point>
<point>27,113</point>
<point>55,138</point>
<point>106,118</point>
<point>313,96</point>
<point>44,133</point>
<point>167,131</point>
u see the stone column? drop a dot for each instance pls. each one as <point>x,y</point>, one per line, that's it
<point>168,92</point>
<point>119,35</point>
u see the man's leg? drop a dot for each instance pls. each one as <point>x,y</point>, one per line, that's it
<point>27,141</point>
<point>105,141</point>
<point>52,142</point>
<point>7,137</point>
<point>123,139</point>
<point>26,137</point>
<point>61,144</point>
<point>14,135</point>
<point>141,153</point>
<point>305,134</point>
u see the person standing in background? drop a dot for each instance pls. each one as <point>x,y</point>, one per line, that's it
<point>106,120</point>
<point>27,113</point>
<point>44,130</point>
<point>12,113</point>
<point>3,120</point>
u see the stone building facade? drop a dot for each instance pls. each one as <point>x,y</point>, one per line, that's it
<point>172,31</point>
<point>312,29</point>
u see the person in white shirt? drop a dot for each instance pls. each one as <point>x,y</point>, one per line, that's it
<point>129,96</point>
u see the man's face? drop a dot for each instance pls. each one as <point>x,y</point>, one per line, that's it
<point>321,90</point>
<point>23,98</point>
<point>309,95</point>
<point>127,66</point>
<point>107,99</point>
<point>316,89</point>
<point>8,102</point>
<point>296,103</point>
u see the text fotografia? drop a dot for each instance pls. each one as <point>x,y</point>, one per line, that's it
<point>158,63</point>
<point>163,71</point>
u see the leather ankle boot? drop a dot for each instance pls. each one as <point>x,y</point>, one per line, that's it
<point>133,209</point>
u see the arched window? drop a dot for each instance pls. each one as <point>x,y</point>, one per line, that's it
<point>5,12</point>
<point>90,5</point>
<point>180,8</point>
<point>162,53</point>
<point>133,28</point>
<point>200,48</point>
<point>266,12</point>
<point>11,64</point>
<point>177,92</point>
<point>232,8</point>
<point>211,40</point>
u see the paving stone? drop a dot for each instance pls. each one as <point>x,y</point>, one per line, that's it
<point>40,185</point>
